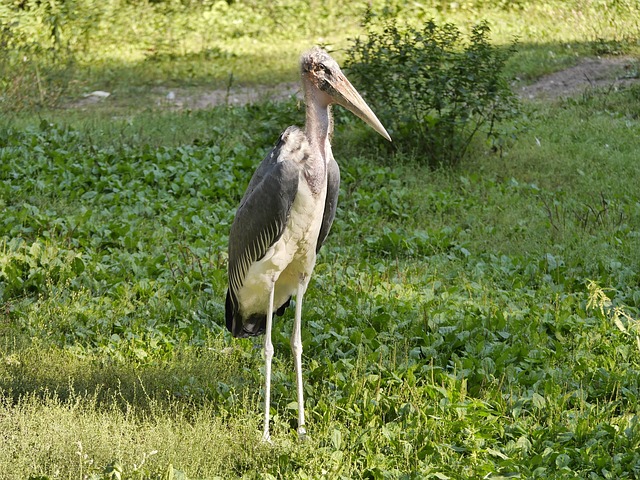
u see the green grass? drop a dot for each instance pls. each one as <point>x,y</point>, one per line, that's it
<point>448,330</point>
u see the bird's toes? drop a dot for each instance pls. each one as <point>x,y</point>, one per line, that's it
<point>302,434</point>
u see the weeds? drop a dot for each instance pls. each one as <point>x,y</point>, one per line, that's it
<point>600,301</point>
<point>602,215</point>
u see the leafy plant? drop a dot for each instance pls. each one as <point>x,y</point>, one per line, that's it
<point>619,314</point>
<point>434,89</point>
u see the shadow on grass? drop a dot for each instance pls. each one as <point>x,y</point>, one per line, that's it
<point>192,377</point>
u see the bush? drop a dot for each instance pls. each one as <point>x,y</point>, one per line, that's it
<point>36,60</point>
<point>433,90</point>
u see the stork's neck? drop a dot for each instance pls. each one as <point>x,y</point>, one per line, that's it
<point>319,125</point>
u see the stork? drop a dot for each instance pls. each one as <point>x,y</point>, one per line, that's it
<point>285,215</point>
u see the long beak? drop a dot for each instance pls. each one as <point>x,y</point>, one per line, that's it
<point>344,94</point>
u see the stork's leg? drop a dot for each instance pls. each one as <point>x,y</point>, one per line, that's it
<point>268,356</point>
<point>296,347</point>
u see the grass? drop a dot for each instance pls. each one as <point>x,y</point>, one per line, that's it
<point>446,333</point>
<point>455,326</point>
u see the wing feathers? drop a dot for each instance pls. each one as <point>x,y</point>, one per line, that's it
<point>261,219</point>
<point>331,202</point>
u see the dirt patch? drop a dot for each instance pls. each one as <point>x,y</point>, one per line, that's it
<point>182,98</point>
<point>188,98</point>
<point>610,72</point>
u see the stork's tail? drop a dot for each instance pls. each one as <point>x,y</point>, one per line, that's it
<point>252,326</point>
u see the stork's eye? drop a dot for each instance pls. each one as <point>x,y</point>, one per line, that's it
<point>325,69</point>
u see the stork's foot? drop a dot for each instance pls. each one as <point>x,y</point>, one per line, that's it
<point>266,438</point>
<point>302,434</point>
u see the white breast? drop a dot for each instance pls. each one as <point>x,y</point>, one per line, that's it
<point>291,258</point>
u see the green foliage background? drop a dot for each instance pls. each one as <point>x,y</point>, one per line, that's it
<point>453,327</point>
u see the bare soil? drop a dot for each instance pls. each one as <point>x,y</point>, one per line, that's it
<point>180,98</point>
<point>606,72</point>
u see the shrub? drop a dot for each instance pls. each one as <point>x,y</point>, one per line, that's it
<point>37,62</point>
<point>433,89</point>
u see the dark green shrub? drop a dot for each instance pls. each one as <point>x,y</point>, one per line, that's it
<point>36,58</point>
<point>433,89</point>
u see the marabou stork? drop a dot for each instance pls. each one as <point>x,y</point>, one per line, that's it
<point>285,216</point>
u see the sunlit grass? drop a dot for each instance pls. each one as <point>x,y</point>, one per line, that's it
<point>78,437</point>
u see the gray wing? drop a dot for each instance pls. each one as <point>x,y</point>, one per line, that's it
<point>331,203</point>
<point>261,218</point>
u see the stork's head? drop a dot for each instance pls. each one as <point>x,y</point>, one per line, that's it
<point>325,83</point>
